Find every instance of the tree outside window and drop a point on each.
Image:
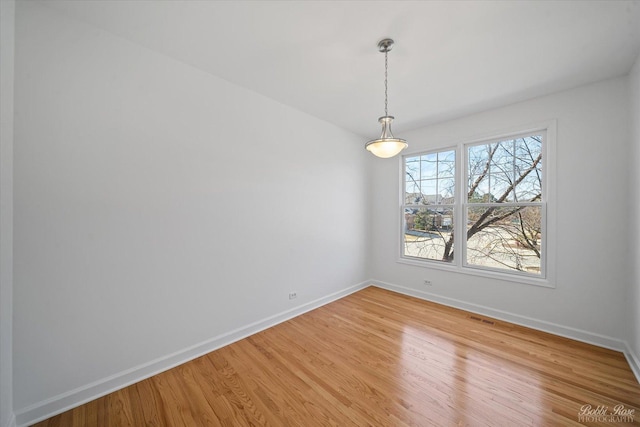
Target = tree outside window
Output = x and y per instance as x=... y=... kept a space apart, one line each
x=502 y=209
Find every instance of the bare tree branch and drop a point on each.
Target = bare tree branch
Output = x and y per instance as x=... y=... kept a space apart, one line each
x=478 y=180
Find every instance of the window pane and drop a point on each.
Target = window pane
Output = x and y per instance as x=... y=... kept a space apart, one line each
x=428 y=233
x=446 y=188
x=429 y=166
x=429 y=192
x=412 y=193
x=505 y=171
x=530 y=188
x=447 y=164
x=506 y=238
x=528 y=165
x=412 y=169
x=479 y=185
x=501 y=189
x=478 y=156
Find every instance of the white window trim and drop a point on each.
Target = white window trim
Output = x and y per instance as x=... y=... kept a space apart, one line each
x=549 y=189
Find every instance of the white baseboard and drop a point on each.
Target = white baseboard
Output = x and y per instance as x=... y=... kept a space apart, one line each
x=541 y=325
x=11 y=422
x=633 y=359
x=65 y=401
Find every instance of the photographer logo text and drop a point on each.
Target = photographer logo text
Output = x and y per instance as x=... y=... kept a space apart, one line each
x=602 y=413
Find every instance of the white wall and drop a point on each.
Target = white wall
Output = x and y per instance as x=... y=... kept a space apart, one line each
x=158 y=207
x=7 y=21
x=633 y=320
x=141 y=233
x=592 y=264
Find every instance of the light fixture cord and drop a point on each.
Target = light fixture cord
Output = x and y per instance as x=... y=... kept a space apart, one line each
x=386 y=67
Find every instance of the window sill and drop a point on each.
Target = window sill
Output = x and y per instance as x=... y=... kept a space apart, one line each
x=452 y=268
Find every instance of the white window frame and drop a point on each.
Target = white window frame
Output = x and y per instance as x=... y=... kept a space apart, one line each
x=547 y=278
x=455 y=205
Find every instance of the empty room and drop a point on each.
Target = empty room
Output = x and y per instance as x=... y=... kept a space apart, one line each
x=319 y=213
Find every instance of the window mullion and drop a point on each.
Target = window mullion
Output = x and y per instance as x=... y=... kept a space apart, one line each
x=462 y=188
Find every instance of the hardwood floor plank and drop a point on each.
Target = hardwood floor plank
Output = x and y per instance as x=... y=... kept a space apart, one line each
x=382 y=359
x=146 y=404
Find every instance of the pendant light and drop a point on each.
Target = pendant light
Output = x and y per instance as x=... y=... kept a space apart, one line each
x=387 y=145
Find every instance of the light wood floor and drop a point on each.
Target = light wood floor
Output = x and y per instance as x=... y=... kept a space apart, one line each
x=381 y=359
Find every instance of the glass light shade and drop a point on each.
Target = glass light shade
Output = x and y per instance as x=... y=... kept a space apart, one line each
x=387 y=145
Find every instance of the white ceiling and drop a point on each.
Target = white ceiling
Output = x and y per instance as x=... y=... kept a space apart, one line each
x=450 y=59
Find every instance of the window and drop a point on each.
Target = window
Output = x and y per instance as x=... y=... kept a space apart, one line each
x=429 y=202
x=493 y=190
